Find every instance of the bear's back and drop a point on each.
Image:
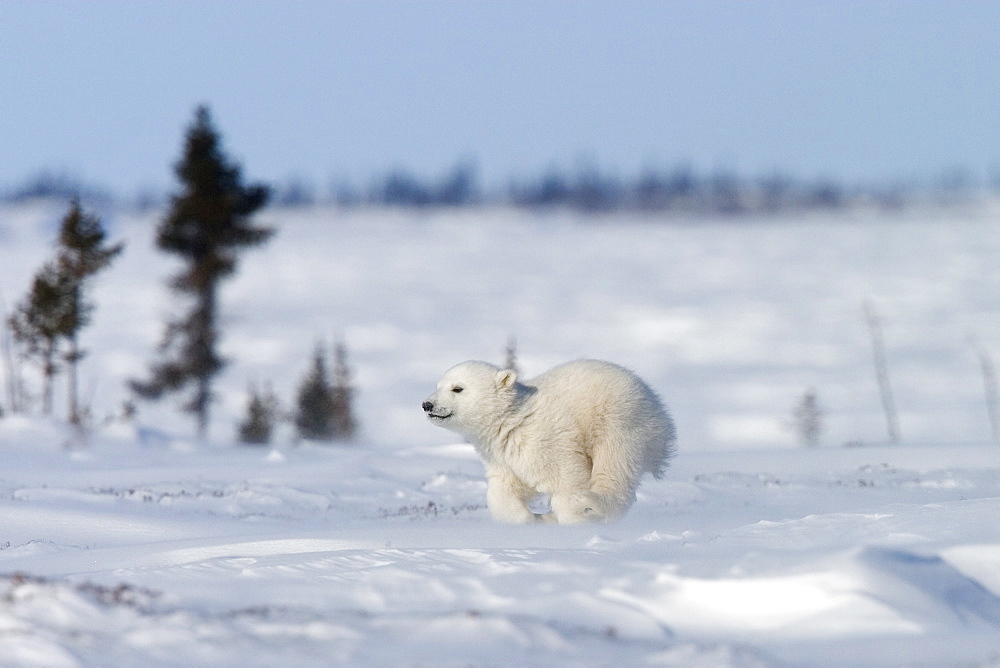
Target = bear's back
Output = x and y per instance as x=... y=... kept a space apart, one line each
x=593 y=396
x=587 y=377
x=589 y=389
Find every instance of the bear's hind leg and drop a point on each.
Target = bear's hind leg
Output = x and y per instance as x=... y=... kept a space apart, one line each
x=587 y=506
x=615 y=476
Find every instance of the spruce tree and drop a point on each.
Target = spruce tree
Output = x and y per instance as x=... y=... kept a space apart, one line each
x=82 y=254
x=37 y=324
x=208 y=223
x=262 y=413
x=56 y=308
x=314 y=407
x=345 y=425
x=13 y=382
x=808 y=419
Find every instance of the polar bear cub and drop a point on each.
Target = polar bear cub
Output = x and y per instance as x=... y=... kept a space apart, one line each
x=583 y=433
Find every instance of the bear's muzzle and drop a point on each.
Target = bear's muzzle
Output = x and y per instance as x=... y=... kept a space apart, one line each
x=428 y=407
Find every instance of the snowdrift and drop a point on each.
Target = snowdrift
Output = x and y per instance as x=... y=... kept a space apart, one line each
x=333 y=556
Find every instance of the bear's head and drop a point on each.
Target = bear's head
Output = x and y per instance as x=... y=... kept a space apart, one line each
x=471 y=397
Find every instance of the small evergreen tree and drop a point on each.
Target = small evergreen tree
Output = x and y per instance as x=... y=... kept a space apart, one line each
x=345 y=425
x=56 y=308
x=37 y=324
x=324 y=409
x=314 y=417
x=82 y=254
x=209 y=222
x=262 y=413
x=808 y=419
x=13 y=382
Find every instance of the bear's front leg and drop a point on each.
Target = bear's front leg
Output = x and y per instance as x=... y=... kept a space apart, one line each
x=507 y=497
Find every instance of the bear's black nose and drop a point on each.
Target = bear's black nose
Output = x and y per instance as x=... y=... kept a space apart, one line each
x=428 y=406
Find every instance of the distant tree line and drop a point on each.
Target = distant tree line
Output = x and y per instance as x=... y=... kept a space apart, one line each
x=57 y=186
x=586 y=188
x=590 y=190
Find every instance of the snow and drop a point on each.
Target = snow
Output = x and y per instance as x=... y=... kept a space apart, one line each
x=377 y=556
x=143 y=548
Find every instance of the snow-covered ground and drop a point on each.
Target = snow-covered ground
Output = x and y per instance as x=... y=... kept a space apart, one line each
x=125 y=556
x=143 y=549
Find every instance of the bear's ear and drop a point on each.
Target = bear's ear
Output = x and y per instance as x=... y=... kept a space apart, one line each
x=506 y=378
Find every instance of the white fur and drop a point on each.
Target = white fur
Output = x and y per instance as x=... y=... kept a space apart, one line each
x=583 y=433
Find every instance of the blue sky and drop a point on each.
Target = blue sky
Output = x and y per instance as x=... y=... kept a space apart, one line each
x=322 y=90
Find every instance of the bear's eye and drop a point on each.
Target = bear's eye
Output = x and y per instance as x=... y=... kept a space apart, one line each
x=457 y=389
